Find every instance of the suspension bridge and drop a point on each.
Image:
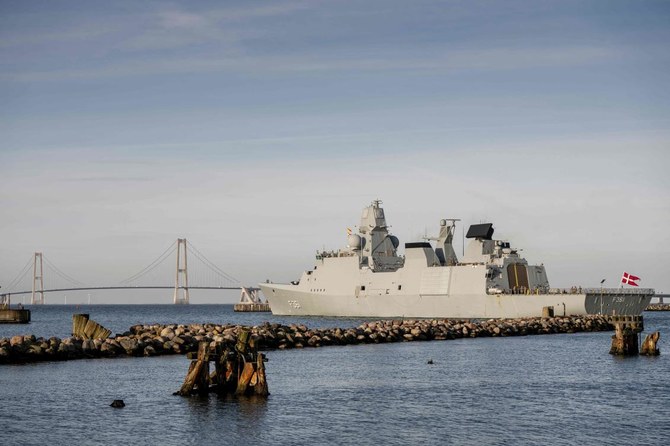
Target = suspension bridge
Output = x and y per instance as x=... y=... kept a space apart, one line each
x=203 y=275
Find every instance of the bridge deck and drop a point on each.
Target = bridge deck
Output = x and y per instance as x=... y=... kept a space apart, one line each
x=157 y=287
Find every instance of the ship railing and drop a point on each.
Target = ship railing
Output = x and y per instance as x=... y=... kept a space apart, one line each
x=329 y=254
x=620 y=291
x=615 y=291
x=575 y=290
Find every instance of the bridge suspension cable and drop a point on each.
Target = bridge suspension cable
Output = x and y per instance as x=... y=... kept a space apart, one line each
x=200 y=256
x=61 y=274
x=20 y=276
x=206 y=273
x=147 y=269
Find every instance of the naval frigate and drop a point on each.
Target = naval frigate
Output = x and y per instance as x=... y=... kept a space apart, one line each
x=369 y=278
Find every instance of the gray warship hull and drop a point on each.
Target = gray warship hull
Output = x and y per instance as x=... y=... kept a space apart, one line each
x=369 y=278
x=286 y=300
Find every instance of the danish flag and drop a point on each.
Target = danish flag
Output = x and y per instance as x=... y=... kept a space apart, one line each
x=629 y=279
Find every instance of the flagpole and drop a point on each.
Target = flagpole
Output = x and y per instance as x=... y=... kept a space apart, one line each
x=621 y=282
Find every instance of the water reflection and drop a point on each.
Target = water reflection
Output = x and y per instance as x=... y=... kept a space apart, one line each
x=239 y=417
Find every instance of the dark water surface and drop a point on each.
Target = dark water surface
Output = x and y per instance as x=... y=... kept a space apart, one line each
x=56 y=320
x=551 y=389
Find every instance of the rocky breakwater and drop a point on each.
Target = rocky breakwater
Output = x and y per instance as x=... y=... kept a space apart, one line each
x=147 y=340
x=153 y=340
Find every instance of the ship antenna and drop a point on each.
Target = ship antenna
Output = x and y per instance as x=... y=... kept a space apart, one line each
x=463 y=240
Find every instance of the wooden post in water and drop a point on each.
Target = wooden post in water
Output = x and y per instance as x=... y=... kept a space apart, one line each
x=625 y=338
x=79 y=323
x=240 y=371
x=624 y=342
x=261 y=385
x=649 y=345
x=198 y=373
x=85 y=328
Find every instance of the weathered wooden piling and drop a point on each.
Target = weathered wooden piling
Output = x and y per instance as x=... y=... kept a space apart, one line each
x=649 y=345
x=240 y=371
x=78 y=323
x=626 y=333
x=624 y=342
x=251 y=307
x=85 y=328
x=197 y=378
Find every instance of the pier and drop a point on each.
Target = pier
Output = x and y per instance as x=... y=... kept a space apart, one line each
x=14 y=316
x=9 y=315
x=661 y=305
x=243 y=307
x=251 y=301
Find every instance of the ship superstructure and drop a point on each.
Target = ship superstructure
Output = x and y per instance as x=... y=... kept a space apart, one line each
x=370 y=278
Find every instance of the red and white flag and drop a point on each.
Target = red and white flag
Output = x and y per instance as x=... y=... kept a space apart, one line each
x=629 y=279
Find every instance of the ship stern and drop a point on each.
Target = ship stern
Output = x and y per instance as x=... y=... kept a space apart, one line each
x=616 y=301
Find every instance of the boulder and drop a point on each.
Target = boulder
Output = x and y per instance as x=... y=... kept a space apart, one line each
x=88 y=346
x=149 y=351
x=167 y=333
x=16 y=341
x=130 y=345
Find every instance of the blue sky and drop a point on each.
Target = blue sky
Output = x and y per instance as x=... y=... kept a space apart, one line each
x=260 y=129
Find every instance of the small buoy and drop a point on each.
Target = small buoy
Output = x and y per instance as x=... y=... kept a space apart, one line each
x=118 y=403
x=430 y=361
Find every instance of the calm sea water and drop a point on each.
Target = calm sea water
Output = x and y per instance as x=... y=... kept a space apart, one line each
x=553 y=389
x=56 y=320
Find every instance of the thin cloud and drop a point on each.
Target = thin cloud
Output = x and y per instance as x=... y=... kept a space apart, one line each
x=108 y=179
x=81 y=33
x=174 y=29
x=154 y=29
x=271 y=10
x=444 y=61
x=181 y=20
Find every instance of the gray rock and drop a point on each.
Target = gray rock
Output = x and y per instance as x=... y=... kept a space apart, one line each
x=149 y=351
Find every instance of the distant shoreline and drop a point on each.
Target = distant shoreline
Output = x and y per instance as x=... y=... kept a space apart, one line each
x=658 y=307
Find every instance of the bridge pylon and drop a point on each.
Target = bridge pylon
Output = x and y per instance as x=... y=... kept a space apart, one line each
x=38 y=280
x=181 y=274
